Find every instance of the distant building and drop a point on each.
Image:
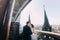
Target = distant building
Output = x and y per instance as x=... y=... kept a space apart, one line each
x=29 y=19
x=46 y=27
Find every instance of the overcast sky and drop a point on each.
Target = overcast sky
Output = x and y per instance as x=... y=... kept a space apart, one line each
x=35 y=8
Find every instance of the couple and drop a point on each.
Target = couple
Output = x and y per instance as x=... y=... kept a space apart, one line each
x=28 y=32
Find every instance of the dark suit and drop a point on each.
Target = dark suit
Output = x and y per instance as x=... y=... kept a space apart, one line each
x=27 y=33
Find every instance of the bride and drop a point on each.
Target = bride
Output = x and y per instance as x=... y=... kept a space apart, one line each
x=34 y=34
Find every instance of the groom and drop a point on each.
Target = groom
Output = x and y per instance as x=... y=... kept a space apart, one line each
x=27 y=31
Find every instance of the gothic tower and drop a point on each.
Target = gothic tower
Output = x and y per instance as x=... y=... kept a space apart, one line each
x=46 y=27
x=29 y=19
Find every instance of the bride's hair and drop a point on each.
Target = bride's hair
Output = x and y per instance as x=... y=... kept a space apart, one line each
x=32 y=25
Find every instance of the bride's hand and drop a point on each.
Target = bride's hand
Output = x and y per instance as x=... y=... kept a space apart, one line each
x=36 y=32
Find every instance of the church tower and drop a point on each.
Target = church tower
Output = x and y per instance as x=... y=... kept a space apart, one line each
x=29 y=19
x=46 y=27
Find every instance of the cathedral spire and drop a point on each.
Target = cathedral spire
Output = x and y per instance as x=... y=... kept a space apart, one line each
x=46 y=22
x=46 y=27
x=29 y=19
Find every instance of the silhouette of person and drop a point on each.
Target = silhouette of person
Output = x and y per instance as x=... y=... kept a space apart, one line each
x=27 y=31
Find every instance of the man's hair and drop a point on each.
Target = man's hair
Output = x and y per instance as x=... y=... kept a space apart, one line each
x=27 y=22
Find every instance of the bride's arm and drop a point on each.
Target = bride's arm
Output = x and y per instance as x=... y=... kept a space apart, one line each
x=36 y=32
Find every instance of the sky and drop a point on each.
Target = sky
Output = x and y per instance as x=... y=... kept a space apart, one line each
x=36 y=11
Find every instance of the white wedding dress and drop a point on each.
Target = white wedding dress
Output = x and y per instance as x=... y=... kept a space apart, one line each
x=34 y=36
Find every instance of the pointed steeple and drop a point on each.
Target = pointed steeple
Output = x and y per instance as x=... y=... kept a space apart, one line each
x=46 y=22
x=29 y=19
x=46 y=26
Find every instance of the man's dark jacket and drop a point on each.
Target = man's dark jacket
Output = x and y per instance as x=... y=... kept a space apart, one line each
x=27 y=33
